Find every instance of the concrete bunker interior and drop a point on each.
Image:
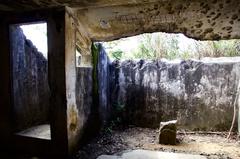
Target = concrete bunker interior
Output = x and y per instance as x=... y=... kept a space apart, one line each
x=74 y=26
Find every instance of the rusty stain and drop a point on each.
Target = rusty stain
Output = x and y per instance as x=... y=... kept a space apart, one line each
x=73 y=119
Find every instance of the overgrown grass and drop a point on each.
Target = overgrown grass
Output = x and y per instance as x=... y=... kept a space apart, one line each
x=170 y=46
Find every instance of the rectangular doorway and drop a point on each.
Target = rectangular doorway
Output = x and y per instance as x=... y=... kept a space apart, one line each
x=30 y=89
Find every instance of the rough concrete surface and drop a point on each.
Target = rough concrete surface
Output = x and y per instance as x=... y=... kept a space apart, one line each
x=199 y=94
x=103 y=84
x=108 y=20
x=198 y=19
x=146 y=154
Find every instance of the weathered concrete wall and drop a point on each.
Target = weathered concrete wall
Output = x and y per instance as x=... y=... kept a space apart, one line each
x=74 y=121
x=99 y=111
x=238 y=115
x=199 y=94
x=103 y=84
x=30 y=82
x=84 y=95
x=78 y=80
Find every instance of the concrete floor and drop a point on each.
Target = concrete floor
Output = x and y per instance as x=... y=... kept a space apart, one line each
x=146 y=154
x=40 y=131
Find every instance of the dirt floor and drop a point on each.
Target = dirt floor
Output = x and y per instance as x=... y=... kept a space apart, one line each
x=211 y=145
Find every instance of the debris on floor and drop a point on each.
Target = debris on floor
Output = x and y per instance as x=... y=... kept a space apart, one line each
x=210 y=145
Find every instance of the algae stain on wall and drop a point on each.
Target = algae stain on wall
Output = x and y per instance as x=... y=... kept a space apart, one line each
x=200 y=95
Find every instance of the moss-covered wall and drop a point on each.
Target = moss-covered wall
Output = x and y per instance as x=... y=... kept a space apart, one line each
x=99 y=111
x=95 y=54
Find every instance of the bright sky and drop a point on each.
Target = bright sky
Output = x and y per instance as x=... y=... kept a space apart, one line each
x=184 y=42
x=130 y=43
x=37 y=33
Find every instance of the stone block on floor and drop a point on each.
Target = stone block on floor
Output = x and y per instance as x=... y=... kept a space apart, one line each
x=168 y=132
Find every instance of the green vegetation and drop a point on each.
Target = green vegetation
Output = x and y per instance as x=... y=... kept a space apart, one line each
x=117 y=118
x=170 y=46
x=117 y=54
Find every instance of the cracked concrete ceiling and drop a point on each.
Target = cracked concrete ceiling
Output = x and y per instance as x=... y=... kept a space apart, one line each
x=36 y=4
x=105 y=20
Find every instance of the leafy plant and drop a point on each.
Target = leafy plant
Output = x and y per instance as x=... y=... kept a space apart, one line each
x=117 y=117
x=117 y=55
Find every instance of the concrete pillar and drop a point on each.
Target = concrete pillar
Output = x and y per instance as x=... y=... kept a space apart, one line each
x=74 y=37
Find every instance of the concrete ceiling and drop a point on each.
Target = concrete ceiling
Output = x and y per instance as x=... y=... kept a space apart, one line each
x=199 y=19
x=36 y=4
x=105 y=20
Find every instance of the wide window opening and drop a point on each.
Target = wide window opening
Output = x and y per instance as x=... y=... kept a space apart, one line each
x=169 y=46
x=30 y=89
